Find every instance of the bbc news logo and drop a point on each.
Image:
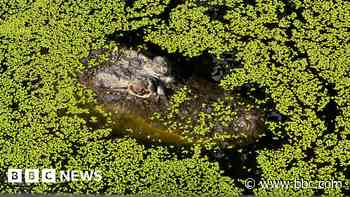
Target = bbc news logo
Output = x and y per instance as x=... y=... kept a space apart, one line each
x=50 y=176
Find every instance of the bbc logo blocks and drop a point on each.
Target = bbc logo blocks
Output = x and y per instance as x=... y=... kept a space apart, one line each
x=14 y=175
x=31 y=175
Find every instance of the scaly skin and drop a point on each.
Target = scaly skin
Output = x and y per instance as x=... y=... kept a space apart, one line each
x=130 y=71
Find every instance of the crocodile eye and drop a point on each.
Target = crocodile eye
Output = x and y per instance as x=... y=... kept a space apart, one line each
x=139 y=89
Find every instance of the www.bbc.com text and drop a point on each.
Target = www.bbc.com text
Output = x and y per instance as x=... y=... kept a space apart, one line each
x=296 y=184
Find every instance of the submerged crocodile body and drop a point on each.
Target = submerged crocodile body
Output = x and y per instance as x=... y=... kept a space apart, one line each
x=134 y=87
